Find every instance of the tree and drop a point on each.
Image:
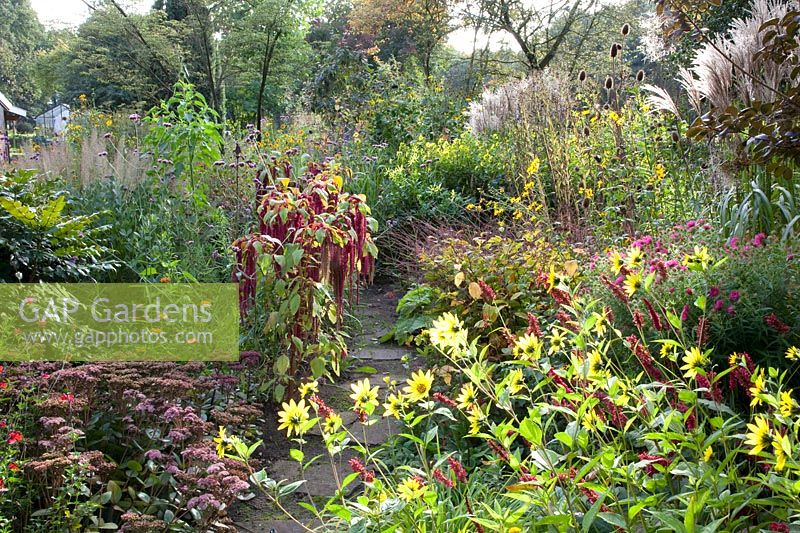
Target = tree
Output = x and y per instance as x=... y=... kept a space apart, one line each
x=413 y=27
x=266 y=34
x=539 y=29
x=21 y=35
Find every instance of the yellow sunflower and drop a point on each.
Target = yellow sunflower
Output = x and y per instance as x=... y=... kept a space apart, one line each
x=695 y=360
x=466 y=396
x=759 y=384
x=447 y=332
x=759 y=436
x=410 y=489
x=419 y=385
x=633 y=283
x=364 y=395
x=394 y=405
x=528 y=348
x=293 y=417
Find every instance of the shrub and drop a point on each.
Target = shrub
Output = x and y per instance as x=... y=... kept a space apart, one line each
x=40 y=241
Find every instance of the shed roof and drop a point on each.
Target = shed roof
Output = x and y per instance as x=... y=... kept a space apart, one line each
x=6 y=104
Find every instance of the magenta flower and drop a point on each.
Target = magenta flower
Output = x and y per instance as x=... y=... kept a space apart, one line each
x=734 y=296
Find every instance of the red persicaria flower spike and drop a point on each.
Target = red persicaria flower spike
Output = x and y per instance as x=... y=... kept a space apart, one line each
x=486 y=291
x=533 y=326
x=510 y=338
x=655 y=318
x=618 y=291
x=638 y=319
x=776 y=324
x=322 y=408
x=558 y=380
x=561 y=297
x=439 y=476
x=499 y=450
x=458 y=469
x=441 y=398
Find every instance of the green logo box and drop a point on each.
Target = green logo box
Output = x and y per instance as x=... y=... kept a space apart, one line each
x=119 y=322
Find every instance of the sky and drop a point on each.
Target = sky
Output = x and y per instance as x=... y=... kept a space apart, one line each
x=65 y=13
x=59 y=14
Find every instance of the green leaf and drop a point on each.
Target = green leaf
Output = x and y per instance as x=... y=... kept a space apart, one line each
x=297 y=455
x=281 y=365
x=588 y=518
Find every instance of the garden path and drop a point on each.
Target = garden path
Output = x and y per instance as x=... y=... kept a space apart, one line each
x=370 y=358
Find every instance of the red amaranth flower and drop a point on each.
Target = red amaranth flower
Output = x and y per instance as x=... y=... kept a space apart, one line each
x=654 y=460
x=645 y=359
x=561 y=297
x=558 y=380
x=322 y=408
x=655 y=318
x=592 y=496
x=487 y=292
x=527 y=478
x=702 y=331
x=458 y=469
x=618 y=418
x=441 y=398
x=499 y=450
x=775 y=323
x=533 y=326
x=439 y=476
x=779 y=526
x=615 y=289
x=638 y=319
x=368 y=476
x=713 y=391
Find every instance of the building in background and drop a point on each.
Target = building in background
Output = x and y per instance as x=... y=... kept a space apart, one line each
x=9 y=114
x=54 y=120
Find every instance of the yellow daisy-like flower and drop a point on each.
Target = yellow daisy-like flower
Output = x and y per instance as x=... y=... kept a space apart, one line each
x=364 y=395
x=786 y=403
x=707 y=454
x=515 y=381
x=307 y=388
x=474 y=418
x=591 y=422
x=793 y=353
x=782 y=449
x=558 y=340
x=700 y=258
x=694 y=359
x=419 y=385
x=733 y=359
x=293 y=417
x=528 y=348
x=616 y=262
x=332 y=424
x=759 y=384
x=394 y=405
x=447 y=332
x=668 y=351
x=759 y=436
x=410 y=489
x=595 y=361
x=635 y=257
x=633 y=283
x=222 y=442
x=600 y=324
x=466 y=396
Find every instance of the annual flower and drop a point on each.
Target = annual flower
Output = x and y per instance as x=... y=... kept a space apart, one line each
x=635 y=258
x=786 y=403
x=793 y=353
x=14 y=437
x=309 y=387
x=515 y=381
x=782 y=449
x=222 y=441
x=447 y=332
x=759 y=436
x=528 y=348
x=466 y=396
x=474 y=418
x=410 y=489
x=332 y=424
x=394 y=405
x=293 y=417
x=707 y=454
x=694 y=360
x=419 y=385
x=558 y=340
x=616 y=262
x=364 y=395
x=633 y=283
x=759 y=384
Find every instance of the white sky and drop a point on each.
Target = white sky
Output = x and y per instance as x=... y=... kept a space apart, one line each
x=65 y=13
x=60 y=14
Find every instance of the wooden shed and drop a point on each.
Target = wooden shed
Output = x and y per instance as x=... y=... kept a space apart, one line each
x=9 y=114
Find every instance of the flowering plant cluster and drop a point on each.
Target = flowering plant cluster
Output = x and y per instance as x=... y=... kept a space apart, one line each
x=572 y=423
x=118 y=445
x=313 y=243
